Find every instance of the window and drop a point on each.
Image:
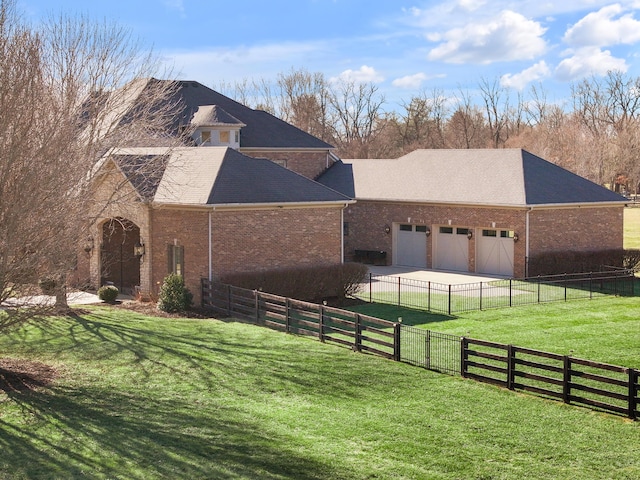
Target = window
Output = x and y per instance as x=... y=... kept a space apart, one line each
x=224 y=137
x=175 y=257
x=421 y=228
x=282 y=163
x=446 y=230
x=462 y=231
x=489 y=233
x=205 y=137
x=406 y=228
x=506 y=234
x=237 y=136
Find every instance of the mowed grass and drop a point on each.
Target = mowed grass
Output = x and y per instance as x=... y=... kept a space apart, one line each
x=140 y=397
x=605 y=329
x=632 y=227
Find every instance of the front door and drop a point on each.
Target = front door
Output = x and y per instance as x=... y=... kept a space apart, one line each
x=119 y=265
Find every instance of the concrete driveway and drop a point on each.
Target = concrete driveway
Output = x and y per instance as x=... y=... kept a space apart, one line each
x=437 y=276
x=74 y=298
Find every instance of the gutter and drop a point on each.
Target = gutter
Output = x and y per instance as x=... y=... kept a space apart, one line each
x=268 y=206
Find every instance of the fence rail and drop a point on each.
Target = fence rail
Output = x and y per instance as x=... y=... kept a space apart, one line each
x=571 y=380
x=360 y=332
x=499 y=293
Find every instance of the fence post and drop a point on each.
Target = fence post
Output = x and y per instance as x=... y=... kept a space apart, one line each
x=565 y=287
x=510 y=292
x=429 y=297
x=287 y=320
x=428 y=350
x=370 y=287
x=257 y=306
x=633 y=392
x=321 y=324
x=399 y=278
x=464 y=344
x=449 y=307
x=538 y=288
x=566 y=379
x=228 y=300
x=358 y=340
x=396 y=341
x=480 y=295
x=590 y=285
x=511 y=366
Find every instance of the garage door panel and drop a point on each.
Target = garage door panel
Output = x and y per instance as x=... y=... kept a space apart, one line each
x=452 y=249
x=495 y=252
x=411 y=246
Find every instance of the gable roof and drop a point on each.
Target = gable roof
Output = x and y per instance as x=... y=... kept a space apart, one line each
x=496 y=177
x=261 y=130
x=219 y=176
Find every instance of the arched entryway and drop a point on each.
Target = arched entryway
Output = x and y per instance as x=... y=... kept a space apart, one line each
x=118 y=262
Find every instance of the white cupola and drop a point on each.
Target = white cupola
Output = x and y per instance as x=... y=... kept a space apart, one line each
x=213 y=127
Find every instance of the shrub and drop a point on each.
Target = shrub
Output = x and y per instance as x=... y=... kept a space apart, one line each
x=108 y=293
x=48 y=286
x=310 y=284
x=550 y=263
x=174 y=295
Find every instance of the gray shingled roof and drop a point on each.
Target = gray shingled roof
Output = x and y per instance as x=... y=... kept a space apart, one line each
x=213 y=115
x=217 y=176
x=262 y=129
x=502 y=177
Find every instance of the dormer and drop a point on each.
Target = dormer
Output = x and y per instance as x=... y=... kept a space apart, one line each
x=213 y=127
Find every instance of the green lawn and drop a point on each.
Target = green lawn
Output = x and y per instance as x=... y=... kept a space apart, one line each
x=632 y=227
x=604 y=329
x=140 y=397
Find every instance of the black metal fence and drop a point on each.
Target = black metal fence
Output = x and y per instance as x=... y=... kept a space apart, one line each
x=499 y=293
x=606 y=387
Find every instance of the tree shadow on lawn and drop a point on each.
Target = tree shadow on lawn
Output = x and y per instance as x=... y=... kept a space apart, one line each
x=410 y=316
x=82 y=432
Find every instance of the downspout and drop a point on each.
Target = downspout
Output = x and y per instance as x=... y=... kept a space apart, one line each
x=210 y=247
x=342 y=232
x=526 y=254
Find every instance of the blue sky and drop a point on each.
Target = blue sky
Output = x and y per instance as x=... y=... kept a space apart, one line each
x=404 y=47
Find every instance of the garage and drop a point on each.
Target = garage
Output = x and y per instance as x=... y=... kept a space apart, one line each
x=452 y=249
x=411 y=246
x=495 y=252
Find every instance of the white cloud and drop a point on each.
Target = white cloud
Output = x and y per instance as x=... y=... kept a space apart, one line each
x=175 y=5
x=413 y=81
x=588 y=61
x=508 y=37
x=607 y=26
x=520 y=80
x=363 y=75
x=471 y=5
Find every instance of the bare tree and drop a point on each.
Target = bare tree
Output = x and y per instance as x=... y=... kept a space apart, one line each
x=356 y=109
x=74 y=89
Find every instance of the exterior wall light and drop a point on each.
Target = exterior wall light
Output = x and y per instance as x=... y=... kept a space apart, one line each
x=387 y=229
x=515 y=237
x=138 y=249
x=428 y=231
x=470 y=234
x=88 y=244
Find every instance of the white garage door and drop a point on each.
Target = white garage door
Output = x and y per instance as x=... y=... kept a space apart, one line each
x=495 y=252
x=411 y=246
x=452 y=249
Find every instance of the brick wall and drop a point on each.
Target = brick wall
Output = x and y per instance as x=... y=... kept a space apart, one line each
x=579 y=229
x=576 y=229
x=245 y=240
x=309 y=164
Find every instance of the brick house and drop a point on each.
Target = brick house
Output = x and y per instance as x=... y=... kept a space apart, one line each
x=485 y=211
x=237 y=196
